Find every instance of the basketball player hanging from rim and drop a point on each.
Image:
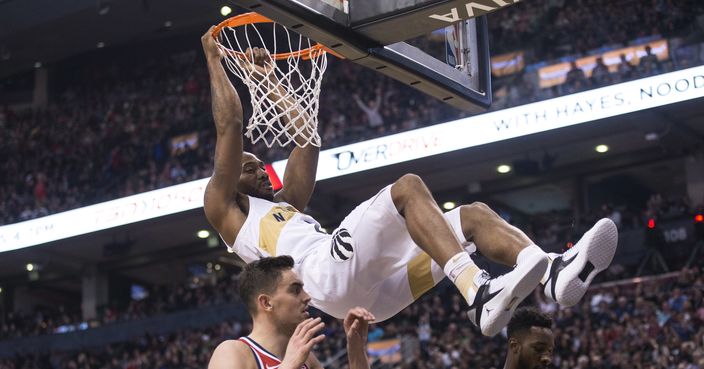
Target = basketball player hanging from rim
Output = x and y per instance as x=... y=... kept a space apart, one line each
x=393 y=247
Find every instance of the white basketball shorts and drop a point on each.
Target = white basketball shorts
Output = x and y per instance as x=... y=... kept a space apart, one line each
x=372 y=262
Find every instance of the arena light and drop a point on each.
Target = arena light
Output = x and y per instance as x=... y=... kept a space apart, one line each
x=449 y=205
x=203 y=234
x=37 y=65
x=5 y=53
x=699 y=226
x=651 y=223
x=225 y=11
x=104 y=6
x=652 y=136
x=503 y=168
x=100 y=45
x=217 y=267
x=29 y=267
x=601 y=149
x=0 y=289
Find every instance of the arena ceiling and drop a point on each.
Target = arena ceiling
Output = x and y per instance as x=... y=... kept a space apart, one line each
x=47 y=31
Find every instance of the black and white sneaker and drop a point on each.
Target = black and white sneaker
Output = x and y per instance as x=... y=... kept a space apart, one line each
x=497 y=298
x=571 y=273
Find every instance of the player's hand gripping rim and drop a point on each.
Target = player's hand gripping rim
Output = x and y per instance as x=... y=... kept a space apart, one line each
x=210 y=47
x=259 y=64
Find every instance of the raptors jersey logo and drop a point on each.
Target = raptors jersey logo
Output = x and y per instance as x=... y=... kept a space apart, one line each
x=342 y=248
x=264 y=358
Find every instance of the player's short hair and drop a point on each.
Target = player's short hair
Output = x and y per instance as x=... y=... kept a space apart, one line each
x=262 y=276
x=526 y=317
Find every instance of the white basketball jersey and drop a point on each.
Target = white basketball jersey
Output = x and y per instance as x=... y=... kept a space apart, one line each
x=273 y=229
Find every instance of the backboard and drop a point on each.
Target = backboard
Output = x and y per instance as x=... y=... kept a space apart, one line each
x=373 y=33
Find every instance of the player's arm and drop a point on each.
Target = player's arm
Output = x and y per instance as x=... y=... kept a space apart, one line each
x=313 y=362
x=299 y=178
x=299 y=175
x=232 y=354
x=221 y=190
x=356 y=326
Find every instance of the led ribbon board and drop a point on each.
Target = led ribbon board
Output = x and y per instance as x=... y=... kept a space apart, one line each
x=109 y=214
x=483 y=129
x=510 y=123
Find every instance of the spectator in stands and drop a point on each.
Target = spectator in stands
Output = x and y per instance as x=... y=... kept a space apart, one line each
x=575 y=80
x=371 y=109
x=625 y=69
x=600 y=74
x=609 y=211
x=424 y=333
x=626 y=337
x=649 y=63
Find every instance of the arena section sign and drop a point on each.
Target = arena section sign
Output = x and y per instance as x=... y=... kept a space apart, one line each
x=438 y=139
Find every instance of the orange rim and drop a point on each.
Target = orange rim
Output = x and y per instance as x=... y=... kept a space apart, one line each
x=254 y=18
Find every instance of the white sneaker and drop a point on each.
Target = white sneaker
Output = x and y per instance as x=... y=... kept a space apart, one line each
x=572 y=272
x=497 y=298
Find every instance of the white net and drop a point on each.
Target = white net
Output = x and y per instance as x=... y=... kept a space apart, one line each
x=284 y=91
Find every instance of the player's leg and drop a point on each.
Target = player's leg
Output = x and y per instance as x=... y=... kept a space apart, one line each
x=495 y=238
x=491 y=301
x=424 y=219
x=567 y=276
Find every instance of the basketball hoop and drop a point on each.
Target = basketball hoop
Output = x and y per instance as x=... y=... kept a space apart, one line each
x=285 y=94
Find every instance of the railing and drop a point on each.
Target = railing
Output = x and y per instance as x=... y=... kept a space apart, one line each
x=125 y=331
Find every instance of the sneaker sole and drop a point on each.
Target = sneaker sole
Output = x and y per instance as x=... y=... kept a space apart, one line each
x=511 y=296
x=572 y=283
